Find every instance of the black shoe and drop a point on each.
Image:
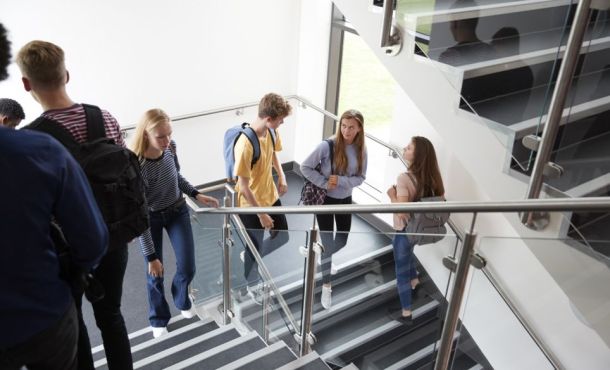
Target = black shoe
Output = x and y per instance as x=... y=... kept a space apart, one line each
x=397 y=316
x=406 y=320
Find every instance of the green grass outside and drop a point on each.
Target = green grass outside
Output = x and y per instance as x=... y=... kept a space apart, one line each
x=366 y=85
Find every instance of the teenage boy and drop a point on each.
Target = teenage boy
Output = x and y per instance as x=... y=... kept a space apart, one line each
x=11 y=113
x=45 y=78
x=256 y=188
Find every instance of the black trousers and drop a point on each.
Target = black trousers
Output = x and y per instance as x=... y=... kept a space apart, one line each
x=108 y=317
x=279 y=236
x=333 y=242
x=52 y=349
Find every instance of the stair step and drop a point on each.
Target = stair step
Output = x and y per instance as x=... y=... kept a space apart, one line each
x=271 y=357
x=143 y=335
x=209 y=341
x=310 y=361
x=373 y=328
x=222 y=354
x=169 y=340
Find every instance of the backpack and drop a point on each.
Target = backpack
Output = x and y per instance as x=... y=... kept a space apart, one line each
x=230 y=139
x=427 y=228
x=113 y=173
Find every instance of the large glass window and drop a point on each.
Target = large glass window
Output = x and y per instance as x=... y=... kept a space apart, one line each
x=366 y=85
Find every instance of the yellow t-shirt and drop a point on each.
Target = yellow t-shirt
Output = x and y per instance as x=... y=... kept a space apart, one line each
x=261 y=175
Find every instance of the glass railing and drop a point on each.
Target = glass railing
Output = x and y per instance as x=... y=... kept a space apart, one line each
x=561 y=296
x=500 y=57
x=360 y=322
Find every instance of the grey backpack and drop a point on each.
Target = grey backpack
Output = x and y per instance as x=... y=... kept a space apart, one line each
x=427 y=228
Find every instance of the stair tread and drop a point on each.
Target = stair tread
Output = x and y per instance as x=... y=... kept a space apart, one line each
x=271 y=357
x=195 y=346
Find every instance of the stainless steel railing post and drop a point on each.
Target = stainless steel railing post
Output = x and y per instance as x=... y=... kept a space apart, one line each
x=266 y=303
x=308 y=290
x=560 y=93
x=455 y=302
x=226 y=264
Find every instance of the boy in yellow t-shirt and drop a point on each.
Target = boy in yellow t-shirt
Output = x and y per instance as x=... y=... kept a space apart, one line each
x=256 y=188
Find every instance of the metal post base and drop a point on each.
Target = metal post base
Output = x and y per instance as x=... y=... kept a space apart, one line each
x=536 y=220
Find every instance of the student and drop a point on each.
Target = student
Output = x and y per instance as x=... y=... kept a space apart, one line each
x=164 y=188
x=37 y=314
x=256 y=188
x=45 y=78
x=11 y=113
x=350 y=163
x=422 y=180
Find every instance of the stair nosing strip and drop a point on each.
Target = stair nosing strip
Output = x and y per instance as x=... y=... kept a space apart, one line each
x=284 y=289
x=157 y=356
x=161 y=339
x=213 y=351
x=323 y=315
x=301 y=361
x=414 y=357
x=254 y=356
x=138 y=333
x=376 y=332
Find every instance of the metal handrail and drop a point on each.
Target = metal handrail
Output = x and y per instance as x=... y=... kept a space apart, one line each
x=395 y=152
x=262 y=268
x=564 y=204
x=239 y=226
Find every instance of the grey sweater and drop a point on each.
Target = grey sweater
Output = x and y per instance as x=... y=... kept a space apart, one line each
x=345 y=184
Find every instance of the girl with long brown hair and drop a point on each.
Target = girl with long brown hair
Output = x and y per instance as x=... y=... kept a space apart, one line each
x=423 y=179
x=349 y=159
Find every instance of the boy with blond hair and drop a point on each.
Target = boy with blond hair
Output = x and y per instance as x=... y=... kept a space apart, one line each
x=45 y=77
x=256 y=188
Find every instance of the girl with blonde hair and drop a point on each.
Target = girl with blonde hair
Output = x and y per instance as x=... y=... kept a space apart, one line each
x=164 y=185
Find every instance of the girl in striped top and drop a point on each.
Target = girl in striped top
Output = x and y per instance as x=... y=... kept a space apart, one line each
x=167 y=208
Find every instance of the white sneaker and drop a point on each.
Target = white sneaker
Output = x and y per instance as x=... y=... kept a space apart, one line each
x=159 y=331
x=326 y=297
x=189 y=314
x=242 y=256
x=333 y=269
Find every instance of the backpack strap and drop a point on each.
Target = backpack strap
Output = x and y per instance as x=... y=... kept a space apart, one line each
x=53 y=128
x=331 y=146
x=414 y=181
x=253 y=138
x=95 y=122
x=172 y=148
x=273 y=137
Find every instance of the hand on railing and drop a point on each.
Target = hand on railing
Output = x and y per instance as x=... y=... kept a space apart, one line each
x=208 y=201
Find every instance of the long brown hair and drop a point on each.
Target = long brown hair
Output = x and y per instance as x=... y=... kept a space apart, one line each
x=425 y=169
x=339 y=156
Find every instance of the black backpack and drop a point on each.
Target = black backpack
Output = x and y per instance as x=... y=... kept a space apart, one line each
x=113 y=173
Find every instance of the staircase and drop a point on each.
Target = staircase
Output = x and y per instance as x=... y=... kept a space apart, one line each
x=202 y=344
x=482 y=96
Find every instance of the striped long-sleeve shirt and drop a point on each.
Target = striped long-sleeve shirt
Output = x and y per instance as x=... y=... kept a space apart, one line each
x=164 y=186
x=74 y=120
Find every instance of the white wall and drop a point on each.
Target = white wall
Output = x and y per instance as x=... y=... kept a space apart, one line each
x=185 y=57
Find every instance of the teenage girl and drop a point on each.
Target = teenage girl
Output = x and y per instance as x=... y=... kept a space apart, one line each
x=167 y=208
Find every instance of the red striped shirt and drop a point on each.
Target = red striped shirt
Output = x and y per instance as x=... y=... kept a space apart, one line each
x=74 y=120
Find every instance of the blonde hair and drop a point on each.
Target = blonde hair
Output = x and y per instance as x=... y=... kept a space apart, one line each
x=148 y=122
x=43 y=64
x=339 y=156
x=273 y=106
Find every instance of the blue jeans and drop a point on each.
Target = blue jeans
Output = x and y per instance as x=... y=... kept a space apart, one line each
x=404 y=261
x=178 y=226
